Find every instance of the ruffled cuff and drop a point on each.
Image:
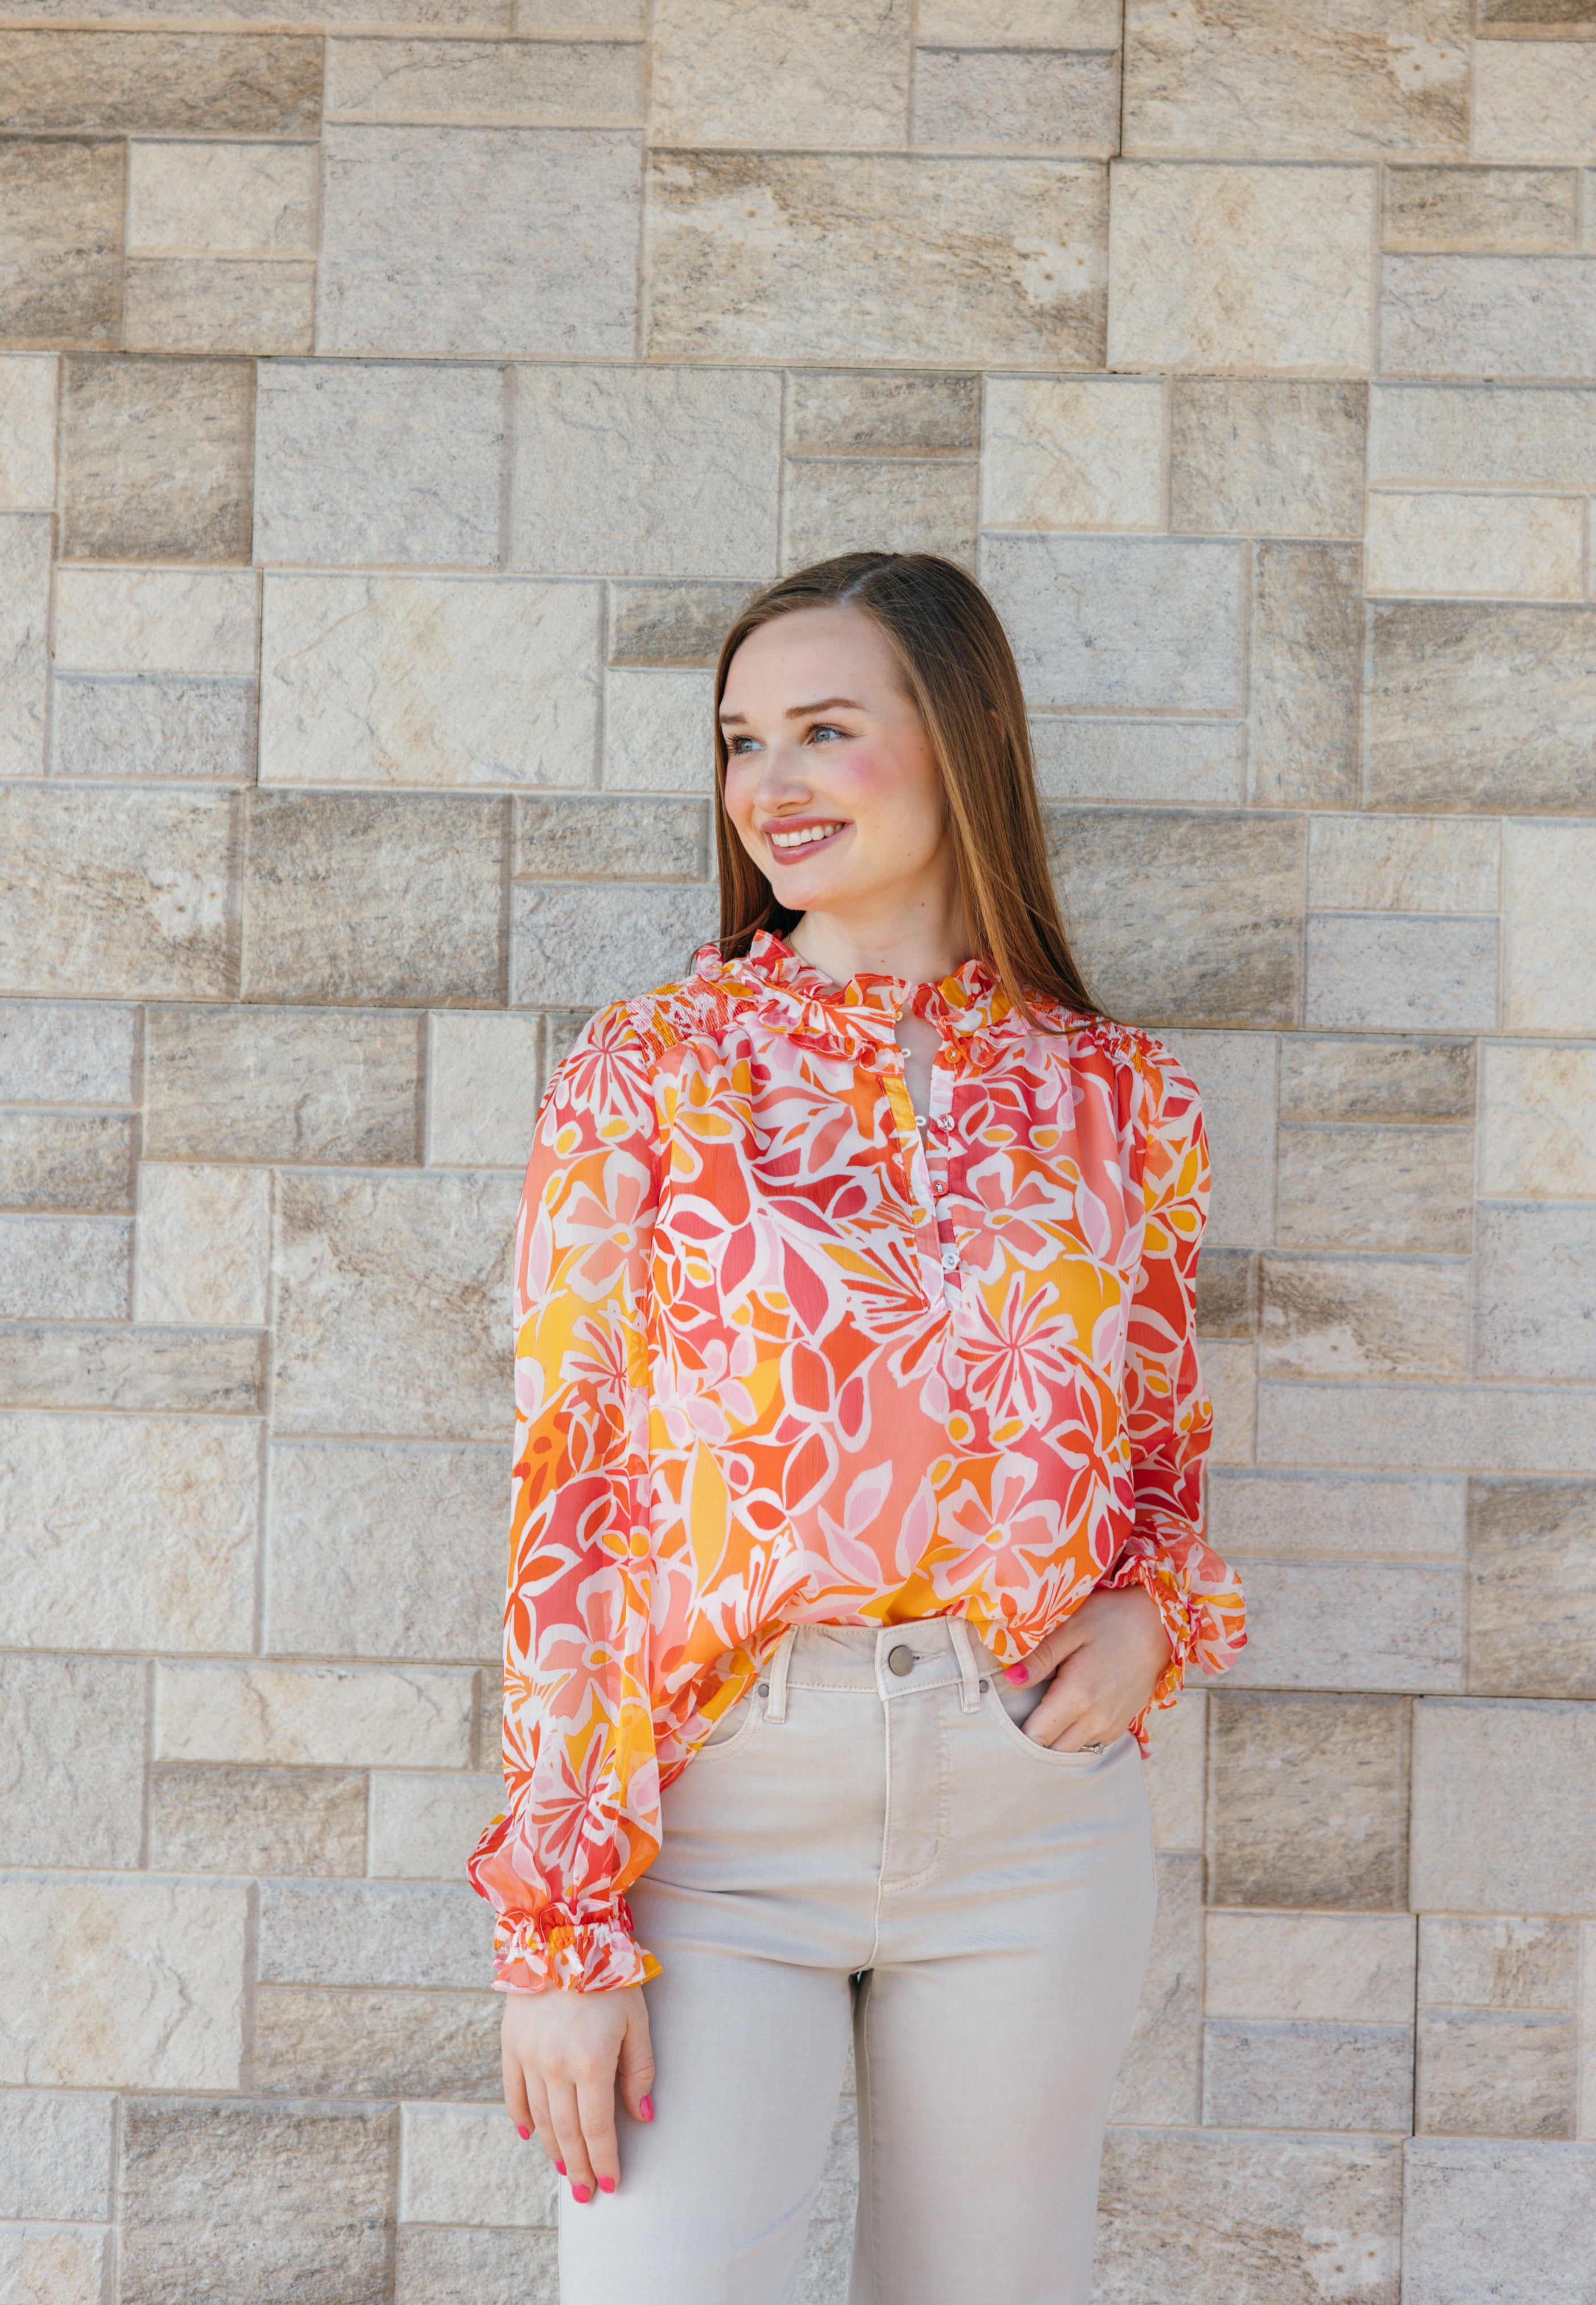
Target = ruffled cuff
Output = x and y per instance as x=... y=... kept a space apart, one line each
x=534 y=1952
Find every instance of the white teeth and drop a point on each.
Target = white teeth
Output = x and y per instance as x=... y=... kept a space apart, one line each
x=801 y=839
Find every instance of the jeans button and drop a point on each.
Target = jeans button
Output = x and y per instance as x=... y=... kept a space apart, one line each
x=900 y=1661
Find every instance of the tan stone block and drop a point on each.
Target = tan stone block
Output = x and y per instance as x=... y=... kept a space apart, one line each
x=658 y=731
x=313 y=1716
x=779 y=72
x=71 y=1758
x=995 y=99
x=1256 y=457
x=580 y=947
x=473 y=2265
x=1234 y=1073
x=1485 y=2218
x=1367 y=970
x=1533 y=1271
x=1489 y=2074
x=464 y=2165
x=221 y=1820
x=1175 y=1770
x=60 y=1364
x=409 y=1933
x=1306 y=655
x=1403 y=864
x=1539 y=1118
x=479 y=240
x=1351 y=1626
x=1308 y=1801
x=608 y=840
x=1323 y=2077
x=340 y=2041
x=258 y=84
x=204 y=1245
x=55 y=2151
x=1198 y=762
x=1230 y=1374
x=1406 y=1079
x=849 y=412
x=987 y=262
x=24 y=647
x=1547 y=20
x=428 y=680
x=228 y=2201
x=1498 y=1964
x=156 y=459
x=222 y=198
x=1455 y=545
x=1186 y=956
x=1494 y=1828
x=1350 y=1185
x=27 y=432
x=620 y=16
x=1227 y=1293
x=1121 y=624
x=1483 y=435
x=55 y=2265
x=259 y=1084
x=483 y=1089
x=152 y=1532
x=389 y=898
x=219 y=304
x=1587 y=2080
x=509 y=83
x=148 y=729
x=1021 y=23
x=1063 y=454
x=60 y=208
x=1492 y=210
x=1276 y=274
x=1551 y=908
x=1533 y=100
x=1157 y=2080
x=392 y=1305
x=672 y=625
x=67 y=1161
x=64 y=1269
x=423 y=1828
x=856 y=503
x=1479 y=707
x=353 y=1564
x=1494 y=1428
x=1364 y=1316
x=145 y=620
x=490 y=15
x=1310 y=1967
x=1305 y=1517
x=150 y=1997
x=1487 y=316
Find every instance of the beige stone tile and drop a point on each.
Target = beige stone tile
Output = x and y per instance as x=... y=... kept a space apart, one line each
x=1198 y=762
x=1531 y=1594
x=292 y=2193
x=1533 y=1271
x=409 y=1933
x=1312 y=2077
x=1310 y=1967
x=353 y=1566
x=319 y=2041
x=67 y=1052
x=1265 y=457
x=1486 y=2214
x=1363 y=1316
x=1351 y=1186
x=224 y=1820
x=610 y=840
x=61 y=207
x=658 y=731
x=204 y=1245
x=440 y=680
x=152 y=1522
x=1276 y=274
x=150 y=1997
x=424 y=1263
x=779 y=73
x=1021 y=23
x=1373 y=1079
x=479 y=240
x=511 y=84
x=549 y=16
x=1483 y=435
x=859 y=503
x=59 y=2265
x=145 y=620
x=1189 y=957
x=850 y=412
x=1539 y=1123
x=1587 y=2083
x=1490 y=210
x=513 y=2267
x=1373 y=970
x=258 y=84
x=1227 y=1293
x=1308 y=1801
x=1491 y=2074
x=1487 y=316
x=379 y=899
x=985 y=262
x=381 y=462
x=1063 y=454
x=262 y=1715
x=56 y=2153
x=1402 y=864
x=463 y=2165
x=1494 y=1428
x=1368 y=1626
x=1234 y=1073
x=1455 y=545
x=219 y=304
x=154 y=459
x=606 y=479
x=1493 y=1827
x=1550 y=890
x=423 y=1828
x=1229 y=1373
x=1262 y=83
x=672 y=626
x=1545 y=20
x=1533 y=100
x=150 y=729
x=54 y=1268
x=24 y=627
x=222 y=198
x=1305 y=659
x=1506 y=1963
x=1123 y=623
x=71 y=1757
x=490 y=15
x=984 y=98
x=261 y=1083
x=26 y=432
x=577 y=947
x=1159 y=2076
x=1477 y=707
x=1177 y=1770
x=67 y=1161
x=58 y=1365
x=483 y=1089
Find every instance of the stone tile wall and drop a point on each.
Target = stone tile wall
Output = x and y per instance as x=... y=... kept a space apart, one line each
x=396 y=399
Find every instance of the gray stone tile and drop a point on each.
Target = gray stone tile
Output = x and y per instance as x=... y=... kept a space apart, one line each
x=146 y=729
x=1531 y=1571
x=610 y=840
x=898 y=504
x=284 y=1085
x=328 y=1716
x=71 y=1053
x=162 y=82
x=24 y=646
x=1534 y=1270
x=1403 y=864
x=1357 y=1185
x=1266 y=1515
x=751 y=76
x=204 y=1245
x=484 y=1078
x=1031 y=100
x=27 y=432
x=488 y=14
x=65 y=1268
x=676 y=625
x=60 y=207
x=473 y=240
x=1499 y=1963
x=1211 y=2217
x=1262 y=2076
x=1507 y=316
x=380 y=461
x=56 y=2154
x=225 y=1820
x=222 y=198
x=1197 y=763
x=1308 y=1801
x=596 y=83
x=1487 y=2073
x=1363 y=1316
x=219 y=304
x=863 y=257
x=579 y=947
x=1492 y=1428
x=1026 y=23
x=1158 y=2080
x=1305 y=652
x=1234 y=1073
x=1537 y=1110
x=425 y=1824
x=156 y=458
x=70 y=2262
x=1177 y=1774
x=67 y=1161
x=1483 y=2221
x=1551 y=954
x=1495 y=1828
x=129 y=622
x=374 y=1933
x=1351 y=1625
x=1227 y=1293
x=71 y=1759
x=61 y=1364
x=313 y=2040
x=1310 y=1968
x=470 y=2264
x=353 y=1567
x=241 y=2202
x=1528 y=212
x=1074 y=453
x=1409 y=1079
x=1368 y=972
x=1537 y=438
x=1121 y=622
x=1257 y=457
x=464 y=2165
x=1480 y=706
x=387 y=900
x=1187 y=956
x=658 y=731
x=850 y=412
x=1452 y=545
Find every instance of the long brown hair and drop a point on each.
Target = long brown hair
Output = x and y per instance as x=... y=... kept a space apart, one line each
x=960 y=672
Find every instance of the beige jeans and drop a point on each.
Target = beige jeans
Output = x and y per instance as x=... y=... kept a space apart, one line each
x=870 y=1849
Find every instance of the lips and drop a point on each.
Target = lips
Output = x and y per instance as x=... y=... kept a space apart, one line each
x=789 y=842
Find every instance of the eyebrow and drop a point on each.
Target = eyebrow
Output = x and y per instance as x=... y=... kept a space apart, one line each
x=801 y=711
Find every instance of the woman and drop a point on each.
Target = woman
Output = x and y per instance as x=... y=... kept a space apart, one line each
x=860 y=1457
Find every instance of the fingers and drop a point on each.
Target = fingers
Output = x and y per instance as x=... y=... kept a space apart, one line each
x=1072 y=1713
x=635 y=2071
x=596 y=2109
x=566 y=2113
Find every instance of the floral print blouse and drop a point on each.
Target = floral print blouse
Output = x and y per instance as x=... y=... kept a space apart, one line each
x=780 y=1359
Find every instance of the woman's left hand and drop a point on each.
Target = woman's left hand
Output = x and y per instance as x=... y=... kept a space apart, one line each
x=1105 y=1660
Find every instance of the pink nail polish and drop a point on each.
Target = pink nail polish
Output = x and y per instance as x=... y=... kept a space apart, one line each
x=606 y=2185
x=1018 y=1674
x=645 y=2105
x=581 y=2193
x=523 y=2133
x=561 y=2167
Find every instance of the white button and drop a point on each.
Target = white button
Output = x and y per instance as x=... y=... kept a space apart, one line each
x=950 y=1257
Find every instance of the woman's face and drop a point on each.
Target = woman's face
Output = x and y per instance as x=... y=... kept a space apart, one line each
x=830 y=780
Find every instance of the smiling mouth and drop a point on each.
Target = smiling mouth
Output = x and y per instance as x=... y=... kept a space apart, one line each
x=802 y=839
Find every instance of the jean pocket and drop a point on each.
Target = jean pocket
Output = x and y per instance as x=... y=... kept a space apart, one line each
x=734 y=1724
x=1009 y=1707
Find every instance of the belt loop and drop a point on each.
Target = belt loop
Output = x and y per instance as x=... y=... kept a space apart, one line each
x=958 y=1633
x=776 y=1703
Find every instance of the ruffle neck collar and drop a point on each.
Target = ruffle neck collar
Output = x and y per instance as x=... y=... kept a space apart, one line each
x=792 y=997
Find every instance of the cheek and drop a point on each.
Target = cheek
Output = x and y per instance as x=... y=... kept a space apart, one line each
x=899 y=797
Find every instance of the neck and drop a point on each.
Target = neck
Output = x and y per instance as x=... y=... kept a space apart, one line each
x=922 y=946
